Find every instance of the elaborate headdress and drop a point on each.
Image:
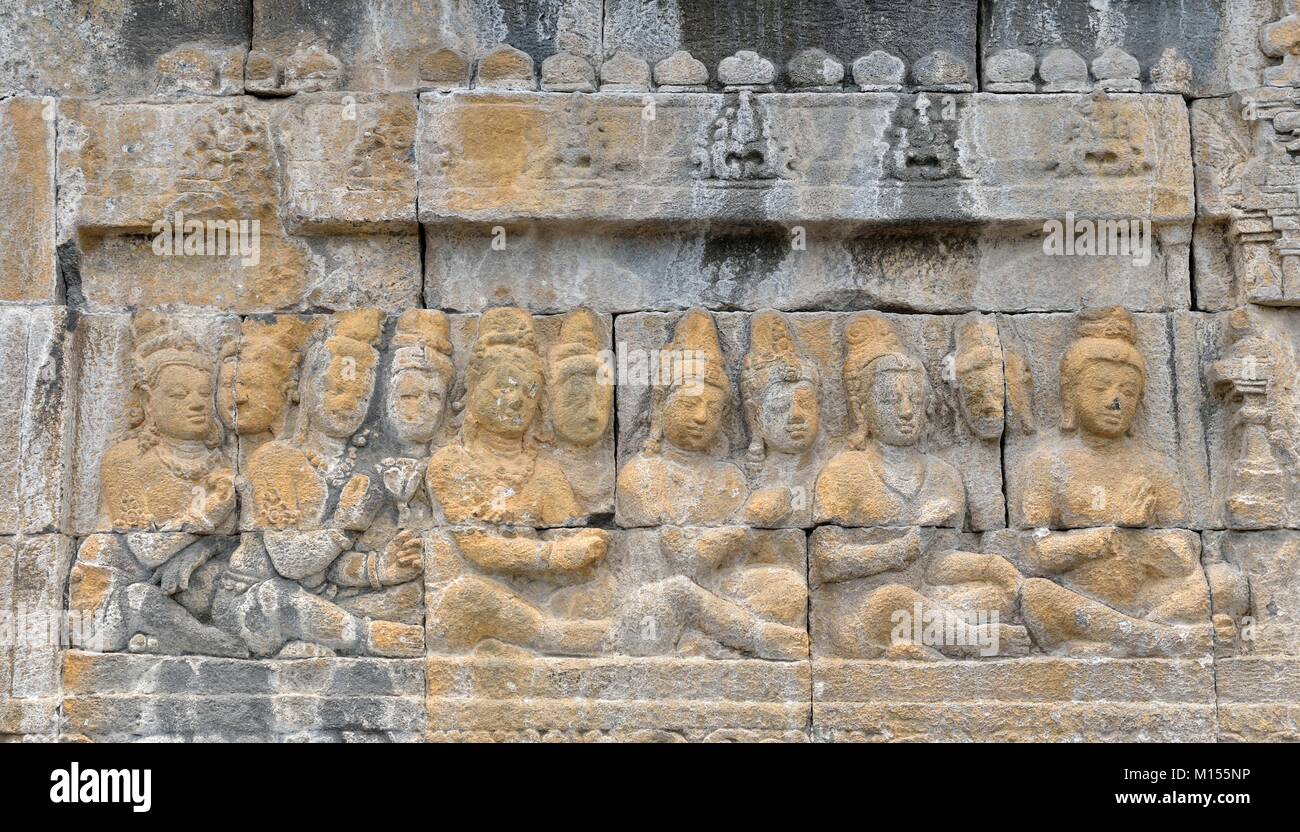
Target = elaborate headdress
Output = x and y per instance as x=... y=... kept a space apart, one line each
x=694 y=346
x=977 y=347
x=276 y=344
x=422 y=342
x=158 y=344
x=578 y=347
x=1107 y=334
x=773 y=357
x=870 y=346
x=505 y=333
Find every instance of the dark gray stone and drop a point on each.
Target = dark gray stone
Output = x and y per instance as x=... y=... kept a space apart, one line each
x=779 y=29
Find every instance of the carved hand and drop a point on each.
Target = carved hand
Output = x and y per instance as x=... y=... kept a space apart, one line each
x=174 y=575
x=1138 y=506
x=584 y=549
x=402 y=559
x=769 y=506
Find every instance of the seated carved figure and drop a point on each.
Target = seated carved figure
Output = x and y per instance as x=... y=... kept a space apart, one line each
x=420 y=380
x=302 y=583
x=717 y=604
x=1110 y=592
x=169 y=474
x=885 y=479
x=292 y=482
x=865 y=583
x=782 y=411
x=677 y=478
x=494 y=473
x=1099 y=475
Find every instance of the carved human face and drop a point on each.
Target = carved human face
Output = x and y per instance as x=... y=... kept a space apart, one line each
x=581 y=405
x=348 y=383
x=504 y=400
x=692 y=416
x=250 y=397
x=981 y=396
x=1105 y=398
x=416 y=404
x=895 y=408
x=790 y=416
x=180 y=402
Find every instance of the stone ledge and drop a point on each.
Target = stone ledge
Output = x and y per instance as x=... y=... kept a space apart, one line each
x=802 y=157
x=477 y=694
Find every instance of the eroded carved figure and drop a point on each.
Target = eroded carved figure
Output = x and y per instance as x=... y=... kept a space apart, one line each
x=680 y=476
x=308 y=582
x=885 y=478
x=1098 y=589
x=781 y=394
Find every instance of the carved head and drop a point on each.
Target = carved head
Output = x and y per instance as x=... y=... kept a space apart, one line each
x=504 y=378
x=688 y=411
x=421 y=375
x=173 y=383
x=888 y=389
x=779 y=387
x=339 y=378
x=1103 y=375
x=979 y=379
x=581 y=397
x=258 y=374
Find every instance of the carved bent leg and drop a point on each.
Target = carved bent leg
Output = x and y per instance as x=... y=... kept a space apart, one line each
x=879 y=617
x=675 y=603
x=473 y=609
x=276 y=612
x=1067 y=623
x=401 y=602
x=160 y=625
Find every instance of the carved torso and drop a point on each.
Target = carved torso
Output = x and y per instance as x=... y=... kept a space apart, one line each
x=855 y=489
x=524 y=490
x=1122 y=484
x=150 y=486
x=694 y=490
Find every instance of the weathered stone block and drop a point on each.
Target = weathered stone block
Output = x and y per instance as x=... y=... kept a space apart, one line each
x=28 y=271
x=201 y=203
x=382 y=46
x=35 y=428
x=1014 y=700
x=801 y=158
x=1219 y=38
x=114 y=698
x=129 y=49
x=33 y=574
x=933 y=269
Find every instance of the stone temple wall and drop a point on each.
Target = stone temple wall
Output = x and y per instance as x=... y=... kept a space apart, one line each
x=591 y=370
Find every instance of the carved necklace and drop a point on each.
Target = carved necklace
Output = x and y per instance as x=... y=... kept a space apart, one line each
x=187 y=461
x=510 y=466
